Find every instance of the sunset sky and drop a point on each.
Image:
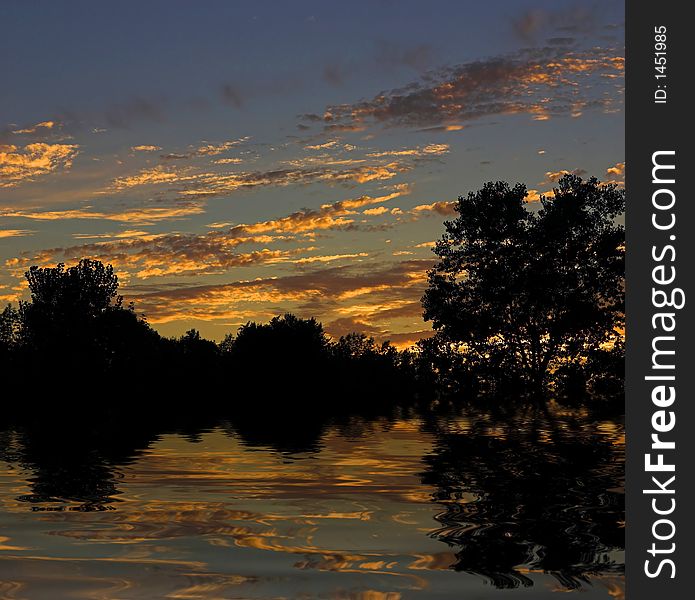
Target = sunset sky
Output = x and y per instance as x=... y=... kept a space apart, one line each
x=239 y=160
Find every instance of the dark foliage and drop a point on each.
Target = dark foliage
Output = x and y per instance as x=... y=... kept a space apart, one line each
x=75 y=339
x=530 y=293
x=532 y=492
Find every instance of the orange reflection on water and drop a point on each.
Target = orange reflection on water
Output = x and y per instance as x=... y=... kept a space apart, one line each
x=218 y=518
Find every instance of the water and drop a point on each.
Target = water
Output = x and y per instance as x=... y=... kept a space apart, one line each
x=465 y=507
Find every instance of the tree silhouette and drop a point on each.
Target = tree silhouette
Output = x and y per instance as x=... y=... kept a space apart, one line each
x=192 y=361
x=372 y=374
x=89 y=287
x=527 y=291
x=286 y=346
x=76 y=323
x=65 y=303
x=10 y=329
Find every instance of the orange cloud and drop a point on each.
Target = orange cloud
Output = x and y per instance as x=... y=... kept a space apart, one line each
x=408 y=339
x=145 y=148
x=376 y=295
x=35 y=128
x=340 y=168
x=533 y=196
x=442 y=208
x=554 y=176
x=328 y=258
x=529 y=82
x=140 y=216
x=214 y=149
x=129 y=234
x=227 y=161
x=33 y=160
x=208 y=149
x=212 y=252
x=211 y=184
x=324 y=146
x=8 y=233
x=429 y=150
x=328 y=216
x=618 y=169
x=149 y=176
x=380 y=210
x=207 y=263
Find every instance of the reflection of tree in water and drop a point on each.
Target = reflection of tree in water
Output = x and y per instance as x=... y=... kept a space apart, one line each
x=534 y=493
x=281 y=431
x=544 y=500
x=74 y=458
x=71 y=468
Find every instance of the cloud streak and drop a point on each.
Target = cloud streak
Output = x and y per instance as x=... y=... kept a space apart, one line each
x=212 y=252
x=374 y=294
x=9 y=233
x=145 y=148
x=35 y=128
x=340 y=167
x=541 y=83
x=139 y=216
x=207 y=149
x=443 y=208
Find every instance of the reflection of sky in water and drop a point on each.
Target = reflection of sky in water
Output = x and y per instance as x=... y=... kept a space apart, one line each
x=218 y=519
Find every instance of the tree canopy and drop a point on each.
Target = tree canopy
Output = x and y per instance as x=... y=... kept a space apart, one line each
x=76 y=321
x=89 y=287
x=529 y=291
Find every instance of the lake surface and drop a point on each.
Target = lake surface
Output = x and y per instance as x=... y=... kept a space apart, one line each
x=465 y=507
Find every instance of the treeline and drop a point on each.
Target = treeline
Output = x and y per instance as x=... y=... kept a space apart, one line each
x=526 y=299
x=76 y=342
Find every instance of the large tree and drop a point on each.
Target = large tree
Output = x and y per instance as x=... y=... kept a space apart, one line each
x=65 y=302
x=527 y=287
x=76 y=320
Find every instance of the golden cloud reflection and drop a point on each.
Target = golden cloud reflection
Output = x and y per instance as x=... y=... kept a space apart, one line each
x=217 y=497
x=213 y=517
